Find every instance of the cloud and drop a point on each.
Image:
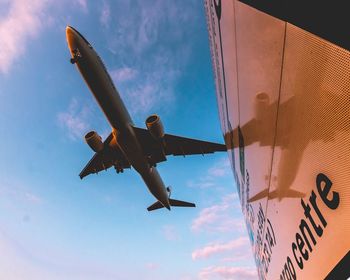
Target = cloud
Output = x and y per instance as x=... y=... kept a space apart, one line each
x=75 y=120
x=82 y=4
x=149 y=41
x=221 y=220
x=170 y=233
x=22 y=22
x=220 y=169
x=227 y=272
x=32 y=197
x=219 y=248
x=219 y=217
x=123 y=74
x=19 y=193
x=21 y=262
x=105 y=16
x=140 y=26
x=152 y=266
x=146 y=87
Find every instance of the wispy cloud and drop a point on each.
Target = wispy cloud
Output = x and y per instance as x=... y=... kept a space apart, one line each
x=221 y=221
x=228 y=272
x=145 y=87
x=170 y=233
x=105 y=15
x=219 y=217
x=21 y=262
x=82 y=5
x=22 y=22
x=219 y=248
x=140 y=26
x=152 y=266
x=123 y=74
x=32 y=197
x=18 y=193
x=75 y=120
x=219 y=169
x=149 y=40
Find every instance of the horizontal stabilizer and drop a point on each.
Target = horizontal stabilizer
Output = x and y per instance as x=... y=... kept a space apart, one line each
x=155 y=206
x=179 y=203
x=172 y=202
x=260 y=195
x=294 y=193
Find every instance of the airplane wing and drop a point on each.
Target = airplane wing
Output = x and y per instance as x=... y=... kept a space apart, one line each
x=104 y=160
x=175 y=145
x=181 y=146
x=260 y=131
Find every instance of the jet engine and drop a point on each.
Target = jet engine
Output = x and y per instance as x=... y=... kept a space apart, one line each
x=94 y=141
x=155 y=126
x=261 y=105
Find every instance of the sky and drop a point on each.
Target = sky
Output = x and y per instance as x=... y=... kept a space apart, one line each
x=54 y=225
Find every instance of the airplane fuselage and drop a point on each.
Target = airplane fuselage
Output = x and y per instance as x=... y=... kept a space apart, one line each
x=101 y=85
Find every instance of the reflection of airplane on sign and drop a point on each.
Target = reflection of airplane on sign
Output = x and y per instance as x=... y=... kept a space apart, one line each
x=283 y=91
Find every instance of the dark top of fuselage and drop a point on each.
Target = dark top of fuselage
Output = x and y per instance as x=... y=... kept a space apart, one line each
x=98 y=57
x=93 y=54
x=86 y=41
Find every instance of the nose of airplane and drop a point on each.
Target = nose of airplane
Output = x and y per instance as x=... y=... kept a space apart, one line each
x=71 y=37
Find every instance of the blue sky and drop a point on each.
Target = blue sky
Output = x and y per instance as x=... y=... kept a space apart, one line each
x=55 y=226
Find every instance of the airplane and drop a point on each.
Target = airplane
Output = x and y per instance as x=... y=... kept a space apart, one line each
x=127 y=145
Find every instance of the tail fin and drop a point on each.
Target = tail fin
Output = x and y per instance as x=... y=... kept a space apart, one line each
x=179 y=203
x=274 y=194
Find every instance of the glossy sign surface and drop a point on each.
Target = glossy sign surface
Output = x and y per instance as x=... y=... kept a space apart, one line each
x=284 y=101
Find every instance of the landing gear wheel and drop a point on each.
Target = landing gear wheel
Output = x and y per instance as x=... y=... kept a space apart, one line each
x=118 y=169
x=76 y=56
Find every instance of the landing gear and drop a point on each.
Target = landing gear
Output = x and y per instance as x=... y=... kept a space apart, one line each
x=118 y=168
x=76 y=56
